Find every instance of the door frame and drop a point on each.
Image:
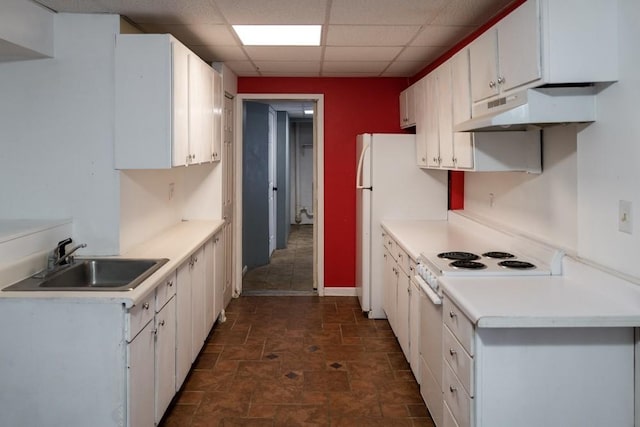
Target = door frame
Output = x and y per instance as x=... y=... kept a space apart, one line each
x=318 y=182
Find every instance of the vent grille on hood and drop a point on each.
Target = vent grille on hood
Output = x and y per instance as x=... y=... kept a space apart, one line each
x=533 y=109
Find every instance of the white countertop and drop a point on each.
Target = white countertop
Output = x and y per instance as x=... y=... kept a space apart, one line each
x=177 y=244
x=582 y=297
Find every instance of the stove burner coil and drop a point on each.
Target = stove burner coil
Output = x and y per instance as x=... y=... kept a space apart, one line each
x=458 y=256
x=518 y=265
x=467 y=265
x=498 y=255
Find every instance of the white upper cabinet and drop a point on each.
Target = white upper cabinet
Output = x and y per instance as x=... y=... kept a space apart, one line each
x=546 y=42
x=421 y=141
x=164 y=104
x=508 y=55
x=445 y=115
x=461 y=93
x=432 y=135
x=407 y=107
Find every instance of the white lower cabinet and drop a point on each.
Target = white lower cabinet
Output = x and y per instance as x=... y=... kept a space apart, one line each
x=183 y=323
x=165 y=357
x=198 y=293
x=140 y=377
x=414 y=329
x=535 y=376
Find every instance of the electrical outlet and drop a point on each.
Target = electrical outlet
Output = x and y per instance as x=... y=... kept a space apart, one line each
x=625 y=218
x=171 y=190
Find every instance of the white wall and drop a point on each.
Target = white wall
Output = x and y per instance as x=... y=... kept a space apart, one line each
x=26 y=30
x=574 y=202
x=56 y=133
x=609 y=159
x=543 y=206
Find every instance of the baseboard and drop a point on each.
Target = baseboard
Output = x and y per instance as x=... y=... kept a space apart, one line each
x=340 y=292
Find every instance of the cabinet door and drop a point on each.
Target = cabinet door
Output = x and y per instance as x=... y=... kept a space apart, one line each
x=402 y=312
x=183 y=323
x=198 y=332
x=461 y=90
x=403 y=109
x=519 y=47
x=414 y=330
x=209 y=280
x=218 y=100
x=390 y=288
x=421 y=123
x=196 y=113
x=180 y=110
x=205 y=145
x=165 y=357
x=431 y=120
x=140 y=378
x=445 y=115
x=483 y=56
x=219 y=280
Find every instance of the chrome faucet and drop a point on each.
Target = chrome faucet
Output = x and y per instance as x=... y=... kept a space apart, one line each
x=60 y=256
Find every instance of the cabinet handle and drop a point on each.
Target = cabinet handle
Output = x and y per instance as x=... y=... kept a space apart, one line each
x=170 y=283
x=452 y=352
x=161 y=323
x=453 y=388
x=492 y=84
x=145 y=306
x=452 y=314
x=501 y=80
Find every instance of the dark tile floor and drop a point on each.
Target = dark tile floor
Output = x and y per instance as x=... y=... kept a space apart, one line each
x=290 y=269
x=299 y=361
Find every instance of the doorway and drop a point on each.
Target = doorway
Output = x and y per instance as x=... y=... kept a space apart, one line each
x=280 y=212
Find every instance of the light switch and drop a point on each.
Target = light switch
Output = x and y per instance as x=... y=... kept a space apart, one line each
x=625 y=218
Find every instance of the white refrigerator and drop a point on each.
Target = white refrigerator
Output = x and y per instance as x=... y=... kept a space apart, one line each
x=389 y=185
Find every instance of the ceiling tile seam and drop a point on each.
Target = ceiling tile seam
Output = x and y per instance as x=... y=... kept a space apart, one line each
x=325 y=31
x=214 y=4
x=395 y=58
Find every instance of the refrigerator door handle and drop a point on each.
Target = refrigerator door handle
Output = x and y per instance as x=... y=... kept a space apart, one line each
x=360 y=165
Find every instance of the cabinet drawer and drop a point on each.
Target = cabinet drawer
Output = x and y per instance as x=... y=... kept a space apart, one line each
x=447 y=418
x=139 y=315
x=402 y=258
x=456 y=397
x=165 y=290
x=459 y=324
x=390 y=244
x=458 y=359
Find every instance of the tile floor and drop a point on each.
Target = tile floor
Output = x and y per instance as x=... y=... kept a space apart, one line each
x=290 y=269
x=299 y=361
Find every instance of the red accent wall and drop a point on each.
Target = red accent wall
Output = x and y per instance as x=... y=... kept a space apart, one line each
x=351 y=106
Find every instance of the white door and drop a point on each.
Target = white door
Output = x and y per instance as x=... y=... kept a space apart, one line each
x=272 y=181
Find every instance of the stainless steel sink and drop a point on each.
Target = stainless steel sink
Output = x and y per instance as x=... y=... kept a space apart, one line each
x=95 y=274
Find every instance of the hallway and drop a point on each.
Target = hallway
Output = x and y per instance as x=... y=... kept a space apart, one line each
x=290 y=270
x=297 y=361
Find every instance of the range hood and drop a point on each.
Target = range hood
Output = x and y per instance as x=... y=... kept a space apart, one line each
x=533 y=109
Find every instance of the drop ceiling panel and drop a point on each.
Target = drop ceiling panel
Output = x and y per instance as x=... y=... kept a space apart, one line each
x=442 y=35
x=195 y=34
x=219 y=53
x=275 y=53
x=421 y=53
x=404 y=68
x=289 y=66
x=397 y=12
x=370 y=35
x=360 y=37
x=273 y=11
x=475 y=13
x=361 y=53
x=354 y=66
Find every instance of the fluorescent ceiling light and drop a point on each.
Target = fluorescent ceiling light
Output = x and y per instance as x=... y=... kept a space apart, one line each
x=308 y=112
x=279 y=35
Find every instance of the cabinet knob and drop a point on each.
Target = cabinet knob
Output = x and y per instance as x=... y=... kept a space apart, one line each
x=161 y=323
x=500 y=80
x=492 y=84
x=453 y=388
x=424 y=160
x=452 y=352
x=170 y=283
x=145 y=306
x=452 y=314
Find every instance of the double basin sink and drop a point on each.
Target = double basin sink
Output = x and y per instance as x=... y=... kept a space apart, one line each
x=95 y=274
